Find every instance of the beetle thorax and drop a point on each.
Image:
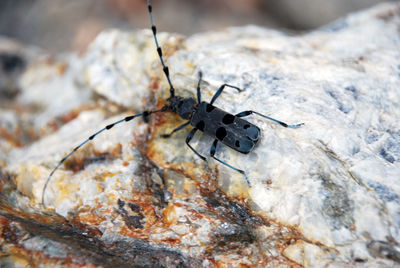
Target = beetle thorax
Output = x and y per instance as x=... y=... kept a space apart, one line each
x=183 y=106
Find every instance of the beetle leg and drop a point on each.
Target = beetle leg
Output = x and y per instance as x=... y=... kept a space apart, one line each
x=198 y=87
x=246 y=113
x=189 y=138
x=212 y=153
x=175 y=130
x=219 y=91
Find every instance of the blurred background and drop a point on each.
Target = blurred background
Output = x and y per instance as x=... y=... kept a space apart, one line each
x=63 y=25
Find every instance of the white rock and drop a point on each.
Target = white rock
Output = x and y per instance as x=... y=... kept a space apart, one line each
x=335 y=180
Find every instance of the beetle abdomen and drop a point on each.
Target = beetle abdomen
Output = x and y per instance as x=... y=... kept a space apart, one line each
x=231 y=130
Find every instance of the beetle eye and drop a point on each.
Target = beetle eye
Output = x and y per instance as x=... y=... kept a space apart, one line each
x=209 y=108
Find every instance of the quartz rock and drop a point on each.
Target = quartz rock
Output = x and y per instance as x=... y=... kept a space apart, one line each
x=324 y=194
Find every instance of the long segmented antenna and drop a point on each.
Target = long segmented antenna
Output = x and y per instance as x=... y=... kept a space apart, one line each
x=159 y=51
x=126 y=119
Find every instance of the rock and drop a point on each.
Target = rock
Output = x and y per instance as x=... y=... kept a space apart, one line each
x=323 y=194
x=310 y=14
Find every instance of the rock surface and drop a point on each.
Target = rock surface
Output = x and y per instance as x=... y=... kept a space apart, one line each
x=325 y=194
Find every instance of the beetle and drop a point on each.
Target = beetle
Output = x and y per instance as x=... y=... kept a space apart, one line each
x=231 y=130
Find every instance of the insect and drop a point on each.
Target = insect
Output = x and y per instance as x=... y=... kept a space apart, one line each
x=231 y=130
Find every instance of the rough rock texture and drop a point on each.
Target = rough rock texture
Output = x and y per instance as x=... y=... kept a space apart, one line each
x=326 y=194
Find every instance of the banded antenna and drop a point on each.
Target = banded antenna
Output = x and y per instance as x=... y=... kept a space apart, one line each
x=159 y=50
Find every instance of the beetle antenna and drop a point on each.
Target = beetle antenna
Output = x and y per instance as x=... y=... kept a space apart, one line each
x=159 y=50
x=145 y=115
